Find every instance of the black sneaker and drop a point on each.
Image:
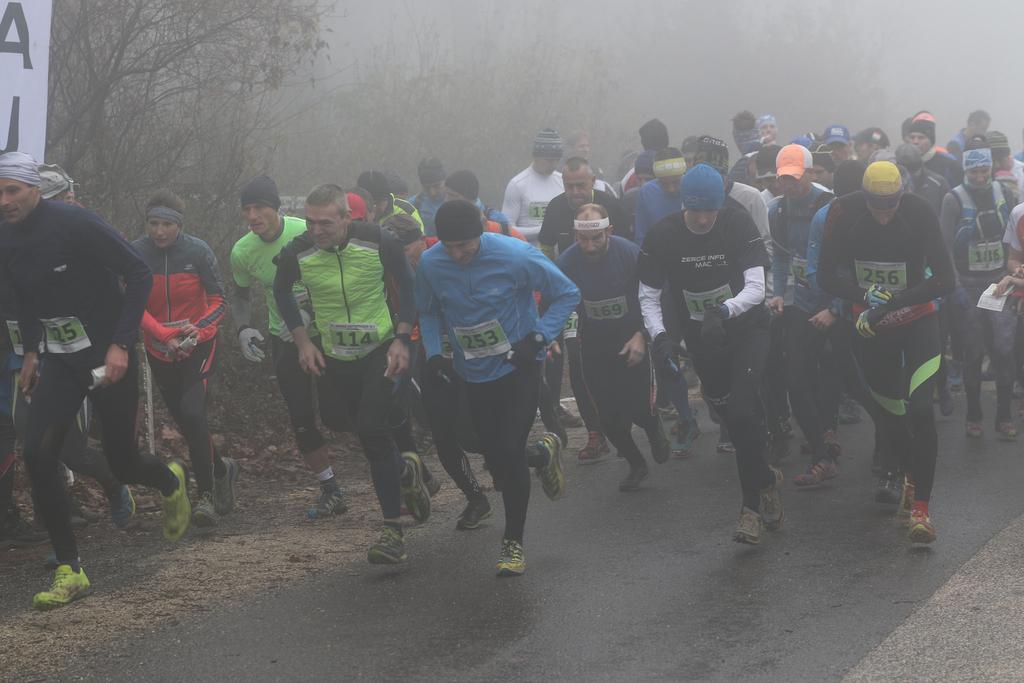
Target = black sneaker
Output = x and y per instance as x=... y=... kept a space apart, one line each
x=633 y=479
x=477 y=510
x=889 y=488
x=17 y=533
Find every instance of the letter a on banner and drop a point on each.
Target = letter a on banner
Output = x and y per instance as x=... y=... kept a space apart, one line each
x=25 y=65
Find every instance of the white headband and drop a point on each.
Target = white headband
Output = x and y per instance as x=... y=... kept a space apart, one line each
x=586 y=226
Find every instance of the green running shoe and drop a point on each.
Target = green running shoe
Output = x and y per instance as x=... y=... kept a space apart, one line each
x=331 y=501
x=551 y=477
x=512 y=561
x=389 y=548
x=414 y=492
x=177 y=509
x=66 y=588
x=224 y=487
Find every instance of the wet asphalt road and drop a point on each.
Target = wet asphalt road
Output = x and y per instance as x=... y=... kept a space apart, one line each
x=645 y=586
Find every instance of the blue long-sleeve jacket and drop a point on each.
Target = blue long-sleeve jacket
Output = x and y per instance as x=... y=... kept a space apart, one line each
x=653 y=204
x=496 y=285
x=814 y=252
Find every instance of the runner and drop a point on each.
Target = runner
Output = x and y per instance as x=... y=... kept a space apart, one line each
x=713 y=260
x=464 y=185
x=767 y=180
x=768 y=127
x=807 y=317
x=1006 y=170
x=977 y=124
x=974 y=218
x=643 y=171
x=344 y=265
x=747 y=137
x=616 y=367
x=921 y=132
x=527 y=195
x=823 y=167
x=868 y=141
x=432 y=175
x=837 y=140
x=556 y=233
x=252 y=261
x=876 y=246
x=653 y=138
x=577 y=144
x=499 y=342
x=66 y=267
x=660 y=197
x=180 y=324
x=386 y=204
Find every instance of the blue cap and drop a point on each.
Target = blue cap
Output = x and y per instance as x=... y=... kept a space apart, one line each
x=837 y=133
x=703 y=189
x=805 y=140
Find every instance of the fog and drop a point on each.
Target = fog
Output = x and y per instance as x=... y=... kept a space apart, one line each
x=608 y=67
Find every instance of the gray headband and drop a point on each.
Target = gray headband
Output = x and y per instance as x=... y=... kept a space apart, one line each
x=167 y=214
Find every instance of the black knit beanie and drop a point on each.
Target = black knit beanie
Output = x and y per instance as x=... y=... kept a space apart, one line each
x=261 y=190
x=465 y=183
x=457 y=221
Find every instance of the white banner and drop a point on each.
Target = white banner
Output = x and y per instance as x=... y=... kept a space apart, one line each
x=25 y=65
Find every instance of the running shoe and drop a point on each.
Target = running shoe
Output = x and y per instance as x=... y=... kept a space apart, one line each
x=945 y=401
x=389 y=548
x=749 y=529
x=889 y=489
x=17 y=533
x=67 y=587
x=1007 y=431
x=849 y=412
x=772 y=512
x=684 y=434
x=567 y=419
x=906 y=497
x=512 y=561
x=122 y=508
x=975 y=430
x=817 y=473
x=331 y=501
x=921 y=528
x=725 y=447
x=414 y=492
x=595 y=450
x=177 y=509
x=477 y=510
x=204 y=513
x=551 y=477
x=633 y=479
x=224 y=487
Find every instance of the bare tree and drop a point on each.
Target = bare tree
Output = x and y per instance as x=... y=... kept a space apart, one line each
x=149 y=93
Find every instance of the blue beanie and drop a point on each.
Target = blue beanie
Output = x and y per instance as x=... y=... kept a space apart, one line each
x=703 y=189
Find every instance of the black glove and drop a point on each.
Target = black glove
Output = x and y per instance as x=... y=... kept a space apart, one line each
x=665 y=352
x=440 y=368
x=524 y=352
x=712 y=331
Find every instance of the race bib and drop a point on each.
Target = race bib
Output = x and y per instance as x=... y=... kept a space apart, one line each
x=985 y=256
x=799 y=269
x=446 y=347
x=698 y=302
x=65 y=335
x=572 y=326
x=14 y=331
x=606 y=309
x=537 y=210
x=353 y=340
x=891 y=275
x=483 y=340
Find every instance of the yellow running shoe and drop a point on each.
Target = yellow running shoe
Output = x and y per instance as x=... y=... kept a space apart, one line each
x=551 y=476
x=512 y=562
x=921 y=528
x=66 y=588
x=177 y=509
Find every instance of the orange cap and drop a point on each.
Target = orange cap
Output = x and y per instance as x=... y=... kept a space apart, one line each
x=793 y=160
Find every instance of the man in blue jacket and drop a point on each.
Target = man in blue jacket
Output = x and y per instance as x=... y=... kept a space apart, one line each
x=478 y=288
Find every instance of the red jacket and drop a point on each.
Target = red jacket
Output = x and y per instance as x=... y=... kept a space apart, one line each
x=187 y=288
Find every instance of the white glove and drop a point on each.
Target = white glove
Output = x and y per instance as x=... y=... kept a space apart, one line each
x=247 y=339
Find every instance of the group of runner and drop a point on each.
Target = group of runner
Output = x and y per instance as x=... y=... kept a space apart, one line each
x=788 y=280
